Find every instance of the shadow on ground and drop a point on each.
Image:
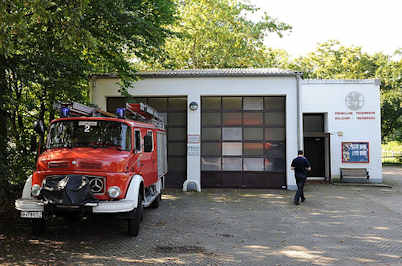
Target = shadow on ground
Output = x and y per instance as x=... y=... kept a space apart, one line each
x=336 y=225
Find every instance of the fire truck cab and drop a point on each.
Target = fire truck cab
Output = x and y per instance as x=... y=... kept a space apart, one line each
x=96 y=162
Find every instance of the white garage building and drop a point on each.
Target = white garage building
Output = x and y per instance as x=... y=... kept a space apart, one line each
x=242 y=127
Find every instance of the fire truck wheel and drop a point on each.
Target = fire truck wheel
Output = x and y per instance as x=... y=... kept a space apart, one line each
x=38 y=226
x=155 y=203
x=134 y=222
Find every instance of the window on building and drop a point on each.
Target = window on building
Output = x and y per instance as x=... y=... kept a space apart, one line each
x=313 y=123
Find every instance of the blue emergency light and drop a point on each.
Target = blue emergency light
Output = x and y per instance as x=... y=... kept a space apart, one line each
x=121 y=112
x=65 y=112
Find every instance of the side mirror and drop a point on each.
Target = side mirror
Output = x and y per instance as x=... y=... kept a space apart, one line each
x=39 y=128
x=147 y=143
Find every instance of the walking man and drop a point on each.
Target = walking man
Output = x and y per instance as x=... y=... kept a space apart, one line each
x=300 y=165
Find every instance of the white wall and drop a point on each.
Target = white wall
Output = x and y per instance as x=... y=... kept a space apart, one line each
x=328 y=96
x=194 y=88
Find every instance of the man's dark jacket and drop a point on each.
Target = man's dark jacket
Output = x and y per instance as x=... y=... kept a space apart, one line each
x=300 y=163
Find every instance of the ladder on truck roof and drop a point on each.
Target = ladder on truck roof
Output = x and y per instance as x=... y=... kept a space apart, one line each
x=145 y=113
x=133 y=111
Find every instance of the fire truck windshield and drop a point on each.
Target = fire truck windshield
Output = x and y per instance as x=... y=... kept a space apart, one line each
x=89 y=133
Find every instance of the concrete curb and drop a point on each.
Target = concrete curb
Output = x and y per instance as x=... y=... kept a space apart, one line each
x=362 y=185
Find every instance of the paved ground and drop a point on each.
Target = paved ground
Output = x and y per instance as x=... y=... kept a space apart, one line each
x=342 y=225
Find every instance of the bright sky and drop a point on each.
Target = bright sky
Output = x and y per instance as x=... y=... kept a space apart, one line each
x=374 y=25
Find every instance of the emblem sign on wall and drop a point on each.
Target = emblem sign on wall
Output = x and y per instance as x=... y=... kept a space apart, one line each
x=354 y=101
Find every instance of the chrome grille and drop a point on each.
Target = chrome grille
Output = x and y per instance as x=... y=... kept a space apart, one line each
x=97 y=184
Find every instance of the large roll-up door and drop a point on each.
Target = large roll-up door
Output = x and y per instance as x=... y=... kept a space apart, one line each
x=174 y=109
x=243 y=142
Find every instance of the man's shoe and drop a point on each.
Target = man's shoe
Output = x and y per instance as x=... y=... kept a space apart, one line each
x=296 y=203
x=303 y=199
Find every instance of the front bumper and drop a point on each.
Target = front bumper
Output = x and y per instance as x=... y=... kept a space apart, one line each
x=32 y=205
x=29 y=205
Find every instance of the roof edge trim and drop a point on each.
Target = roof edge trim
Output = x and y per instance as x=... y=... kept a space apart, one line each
x=208 y=73
x=341 y=81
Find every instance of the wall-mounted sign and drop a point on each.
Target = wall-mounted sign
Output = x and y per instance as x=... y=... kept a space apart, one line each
x=343 y=115
x=354 y=115
x=354 y=100
x=355 y=152
x=365 y=115
x=193 y=138
x=193 y=150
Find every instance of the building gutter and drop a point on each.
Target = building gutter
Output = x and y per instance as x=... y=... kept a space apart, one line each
x=299 y=112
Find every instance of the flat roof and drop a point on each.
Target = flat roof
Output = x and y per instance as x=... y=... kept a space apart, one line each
x=208 y=73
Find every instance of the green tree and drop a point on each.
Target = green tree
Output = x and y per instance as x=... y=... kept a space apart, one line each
x=331 y=60
x=48 y=49
x=391 y=113
x=219 y=34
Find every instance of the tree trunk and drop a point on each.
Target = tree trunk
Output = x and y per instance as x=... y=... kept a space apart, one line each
x=3 y=130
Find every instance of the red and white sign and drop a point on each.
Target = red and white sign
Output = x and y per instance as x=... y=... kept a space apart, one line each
x=354 y=116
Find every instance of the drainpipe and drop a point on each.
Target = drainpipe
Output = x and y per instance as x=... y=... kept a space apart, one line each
x=299 y=113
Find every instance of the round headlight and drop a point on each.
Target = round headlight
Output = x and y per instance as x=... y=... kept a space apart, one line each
x=35 y=191
x=114 y=192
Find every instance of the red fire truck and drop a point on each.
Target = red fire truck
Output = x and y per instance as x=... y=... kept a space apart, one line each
x=97 y=162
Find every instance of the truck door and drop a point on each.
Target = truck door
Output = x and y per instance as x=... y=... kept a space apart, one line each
x=148 y=159
x=135 y=164
x=154 y=156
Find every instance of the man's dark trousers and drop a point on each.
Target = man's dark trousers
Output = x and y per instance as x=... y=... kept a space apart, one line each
x=300 y=188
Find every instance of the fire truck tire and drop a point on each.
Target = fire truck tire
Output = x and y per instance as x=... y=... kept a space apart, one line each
x=155 y=203
x=134 y=222
x=38 y=226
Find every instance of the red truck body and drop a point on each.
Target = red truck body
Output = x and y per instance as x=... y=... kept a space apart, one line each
x=121 y=162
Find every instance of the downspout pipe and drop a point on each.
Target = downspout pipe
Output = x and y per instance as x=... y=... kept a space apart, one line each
x=299 y=112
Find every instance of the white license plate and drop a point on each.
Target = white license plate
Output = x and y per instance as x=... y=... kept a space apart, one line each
x=26 y=214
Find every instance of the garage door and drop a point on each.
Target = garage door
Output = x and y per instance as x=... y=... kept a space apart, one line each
x=174 y=109
x=243 y=142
